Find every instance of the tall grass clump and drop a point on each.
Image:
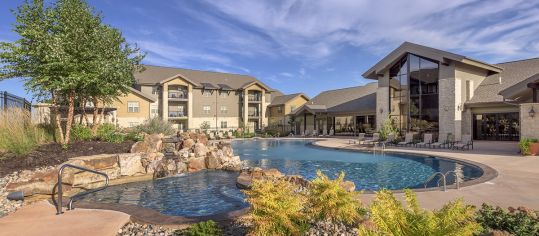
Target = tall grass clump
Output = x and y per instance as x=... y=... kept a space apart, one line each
x=17 y=133
x=81 y=132
x=390 y=217
x=205 y=228
x=155 y=126
x=328 y=200
x=276 y=208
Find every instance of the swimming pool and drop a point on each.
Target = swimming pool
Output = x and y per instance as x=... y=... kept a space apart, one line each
x=203 y=193
x=368 y=171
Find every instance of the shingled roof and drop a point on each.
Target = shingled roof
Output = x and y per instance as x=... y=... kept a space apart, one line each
x=157 y=74
x=283 y=99
x=359 y=99
x=513 y=73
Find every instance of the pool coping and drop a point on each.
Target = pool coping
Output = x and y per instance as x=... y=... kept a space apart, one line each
x=489 y=173
x=144 y=215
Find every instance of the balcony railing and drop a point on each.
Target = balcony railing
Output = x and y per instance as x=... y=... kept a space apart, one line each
x=253 y=114
x=254 y=98
x=177 y=114
x=177 y=95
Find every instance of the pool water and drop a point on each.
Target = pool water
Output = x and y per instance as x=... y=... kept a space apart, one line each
x=197 y=194
x=208 y=192
x=366 y=170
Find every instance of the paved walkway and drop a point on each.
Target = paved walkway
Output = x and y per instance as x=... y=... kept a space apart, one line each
x=517 y=183
x=40 y=219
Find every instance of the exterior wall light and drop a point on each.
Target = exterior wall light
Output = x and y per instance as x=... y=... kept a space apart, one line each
x=531 y=112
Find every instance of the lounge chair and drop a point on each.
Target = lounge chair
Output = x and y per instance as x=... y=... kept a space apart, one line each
x=427 y=140
x=211 y=136
x=331 y=132
x=466 y=142
x=220 y=135
x=231 y=135
x=408 y=140
x=442 y=141
x=375 y=139
x=359 y=140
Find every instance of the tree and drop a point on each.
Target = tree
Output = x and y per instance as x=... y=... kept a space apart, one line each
x=64 y=49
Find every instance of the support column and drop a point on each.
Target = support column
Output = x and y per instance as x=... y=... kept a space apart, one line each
x=534 y=92
x=245 y=108
x=263 y=110
x=304 y=122
x=165 y=102
x=190 y=107
x=314 y=123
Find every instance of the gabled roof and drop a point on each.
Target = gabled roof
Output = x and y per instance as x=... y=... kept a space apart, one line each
x=157 y=74
x=360 y=99
x=515 y=73
x=143 y=95
x=428 y=52
x=283 y=99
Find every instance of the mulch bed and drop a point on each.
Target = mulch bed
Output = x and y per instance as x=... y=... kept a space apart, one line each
x=53 y=154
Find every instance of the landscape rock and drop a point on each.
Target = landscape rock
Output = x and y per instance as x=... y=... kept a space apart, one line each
x=200 y=150
x=140 y=147
x=41 y=182
x=188 y=143
x=131 y=164
x=213 y=161
x=196 y=164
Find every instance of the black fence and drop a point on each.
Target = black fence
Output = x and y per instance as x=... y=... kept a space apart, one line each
x=8 y=100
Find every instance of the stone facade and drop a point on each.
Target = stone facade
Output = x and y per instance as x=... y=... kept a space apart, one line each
x=529 y=126
x=382 y=101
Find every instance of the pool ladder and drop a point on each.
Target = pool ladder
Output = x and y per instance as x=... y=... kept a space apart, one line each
x=60 y=191
x=443 y=179
x=382 y=149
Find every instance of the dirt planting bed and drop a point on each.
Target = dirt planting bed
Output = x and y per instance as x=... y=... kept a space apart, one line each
x=53 y=154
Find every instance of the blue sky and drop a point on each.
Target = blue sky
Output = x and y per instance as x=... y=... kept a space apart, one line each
x=307 y=45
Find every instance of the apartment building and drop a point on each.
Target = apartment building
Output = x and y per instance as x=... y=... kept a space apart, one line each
x=282 y=108
x=190 y=98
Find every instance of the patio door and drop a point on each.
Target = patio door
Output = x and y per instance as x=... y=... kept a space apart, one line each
x=497 y=126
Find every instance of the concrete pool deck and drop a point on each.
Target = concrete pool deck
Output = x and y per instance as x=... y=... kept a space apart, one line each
x=517 y=183
x=40 y=218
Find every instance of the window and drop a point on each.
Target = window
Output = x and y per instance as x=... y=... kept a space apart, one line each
x=206 y=109
x=224 y=94
x=207 y=93
x=280 y=110
x=224 y=110
x=153 y=110
x=224 y=124
x=133 y=107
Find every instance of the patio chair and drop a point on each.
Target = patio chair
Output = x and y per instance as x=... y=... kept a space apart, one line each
x=375 y=139
x=331 y=132
x=315 y=133
x=360 y=138
x=465 y=142
x=442 y=141
x=220 y=135
x=408 y=140
x=427 y=140
x=211 y=136
x=231 y=135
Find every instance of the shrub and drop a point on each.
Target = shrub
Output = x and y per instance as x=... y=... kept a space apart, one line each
x=108 y=133
x=81 y=132
x=155 y=126
x=517 y=222
x=390 y=217
x=17 y=133
x=205 y=228
x=524 y=145
x=276 y=208
x=205 y=126
x=134 y=135
x=328 y=200
x=388 y=127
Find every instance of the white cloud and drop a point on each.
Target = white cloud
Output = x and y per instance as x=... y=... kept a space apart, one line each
x=317 y=29
x=286 y=74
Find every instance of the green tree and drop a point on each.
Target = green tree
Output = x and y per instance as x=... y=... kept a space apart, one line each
x=64 y=49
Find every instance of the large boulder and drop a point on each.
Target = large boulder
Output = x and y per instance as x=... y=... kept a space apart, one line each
x=200 y=150
x=212 y=160
x=151 y=143
x=196 y=164
x=202 y=138
x=107 y=163
x=188 y=143
x=246 y=177
x=232 y=163
x=131 y=164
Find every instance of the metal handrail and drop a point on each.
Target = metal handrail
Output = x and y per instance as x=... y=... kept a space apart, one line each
x=456 y=177
x=60 y=193
x=432 y=177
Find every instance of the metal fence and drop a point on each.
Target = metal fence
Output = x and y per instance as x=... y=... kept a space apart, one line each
x=8 y=100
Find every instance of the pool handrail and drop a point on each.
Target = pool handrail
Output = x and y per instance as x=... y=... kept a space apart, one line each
x=432 y=177
x=60 y=192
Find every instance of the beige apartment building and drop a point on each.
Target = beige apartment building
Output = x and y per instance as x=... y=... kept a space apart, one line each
x=189 y=98
x=282 y=109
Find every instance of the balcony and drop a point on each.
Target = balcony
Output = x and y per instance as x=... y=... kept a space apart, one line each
x=254 y=97
x=177 y=115
x=175 y=95
x=253 y=114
